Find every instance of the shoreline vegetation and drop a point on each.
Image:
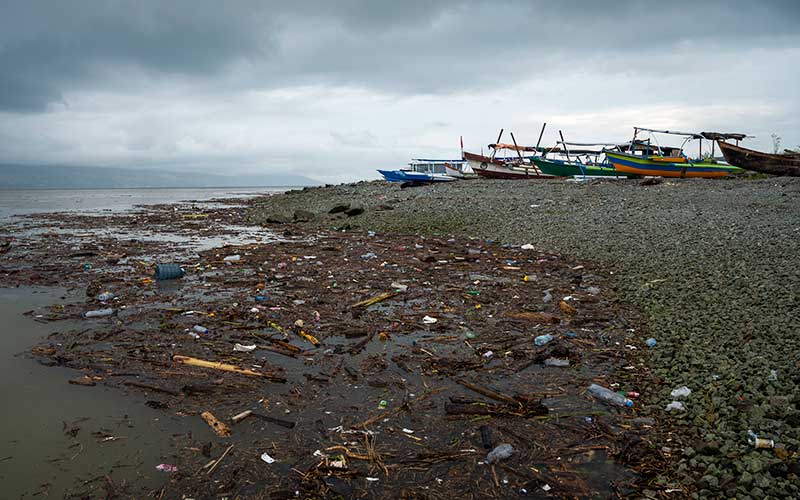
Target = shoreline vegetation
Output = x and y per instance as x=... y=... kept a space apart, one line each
x=712 y=263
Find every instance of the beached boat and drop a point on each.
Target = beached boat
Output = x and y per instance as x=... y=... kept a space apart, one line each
x=562 y=168
x=501 y=168
x=421 y=171
x=674 y=163
x=749 y=159
x=414 y=177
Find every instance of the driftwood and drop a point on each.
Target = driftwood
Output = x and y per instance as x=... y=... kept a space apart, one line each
x=215 y=365
x=219 y=427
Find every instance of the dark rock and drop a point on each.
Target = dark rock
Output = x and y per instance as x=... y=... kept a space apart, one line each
x=339 y=208
x=353 y=211
x=652 y=181
x=278 y=219
x=303 y=216
x=708 y=448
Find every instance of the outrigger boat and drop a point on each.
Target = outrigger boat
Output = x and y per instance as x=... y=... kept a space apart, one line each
x=668 y=161
x=423 y=171
x=494 y=167
x=589 y=166
x=787 y=163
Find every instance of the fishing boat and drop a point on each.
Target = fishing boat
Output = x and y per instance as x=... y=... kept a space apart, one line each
x=668 y=162
x=495 y=167
x=421 y=171
x=563 y=168
x=584 y=163
x=776 y=164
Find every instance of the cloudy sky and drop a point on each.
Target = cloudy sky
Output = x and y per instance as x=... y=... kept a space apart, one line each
x=335 y=89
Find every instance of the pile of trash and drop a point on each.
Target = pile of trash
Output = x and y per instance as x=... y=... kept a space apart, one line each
x=330 y=363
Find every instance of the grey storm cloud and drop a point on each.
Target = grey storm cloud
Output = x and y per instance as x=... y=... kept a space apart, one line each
x=48 y=49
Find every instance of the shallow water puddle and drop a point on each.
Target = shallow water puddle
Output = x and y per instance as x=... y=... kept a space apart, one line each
x=56 y=437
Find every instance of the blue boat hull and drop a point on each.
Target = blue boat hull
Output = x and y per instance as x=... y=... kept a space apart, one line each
x=416 y=177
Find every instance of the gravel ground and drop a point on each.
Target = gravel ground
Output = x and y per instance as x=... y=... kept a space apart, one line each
x=712 y=263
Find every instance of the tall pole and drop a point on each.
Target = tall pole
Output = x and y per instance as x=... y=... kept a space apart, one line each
x=540 y=136
x=500 y=135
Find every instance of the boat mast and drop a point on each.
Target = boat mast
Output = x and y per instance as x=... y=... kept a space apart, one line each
x=540 y=137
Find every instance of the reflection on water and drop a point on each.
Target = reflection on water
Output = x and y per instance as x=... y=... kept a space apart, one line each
x=56 y=437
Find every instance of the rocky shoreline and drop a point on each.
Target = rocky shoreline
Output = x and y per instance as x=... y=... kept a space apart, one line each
x=712 y=263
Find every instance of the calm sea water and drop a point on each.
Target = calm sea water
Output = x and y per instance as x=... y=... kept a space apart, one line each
x=25 y=201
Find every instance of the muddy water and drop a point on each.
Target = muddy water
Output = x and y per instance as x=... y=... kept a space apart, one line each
x=114 y=432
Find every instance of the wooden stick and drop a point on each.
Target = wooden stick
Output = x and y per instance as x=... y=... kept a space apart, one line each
x=488 y=393
x=202 y=363
x=220 y=428
x=373 y=300
x=219 y=460
x=241 y=416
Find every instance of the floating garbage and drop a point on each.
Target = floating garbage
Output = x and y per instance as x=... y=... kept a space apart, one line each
x=651 y=342
x=542 y=339
x=556 y=362
x=105 y=296
x=167 y=467
x=488 y=354
x=398 y=287
x=244 y=348
x=502 y=452
x=429 y=320
x=680 y=392
x=773 y=376
x=98 y=313
x=199 y=329
x=593 y=290
x=267 y=459
x=233 y=258
x=547 y=296
x=527 y=246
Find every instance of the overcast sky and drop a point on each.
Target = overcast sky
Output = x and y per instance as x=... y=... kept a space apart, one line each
x=335 y=89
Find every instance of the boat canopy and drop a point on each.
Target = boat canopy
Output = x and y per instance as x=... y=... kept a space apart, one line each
x=711 y=136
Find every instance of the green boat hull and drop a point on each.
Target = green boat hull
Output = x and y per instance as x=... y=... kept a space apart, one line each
x=565 y=169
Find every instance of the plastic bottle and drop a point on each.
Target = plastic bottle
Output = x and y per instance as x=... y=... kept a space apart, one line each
x=609 y=396
x=502 y=452
x=105 y=296
x=199 y=329
x=98 y=313
x=168 y=271
x=758 y=442
x=542 y=339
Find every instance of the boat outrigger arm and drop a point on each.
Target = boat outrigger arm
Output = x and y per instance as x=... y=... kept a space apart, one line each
x=688 y=136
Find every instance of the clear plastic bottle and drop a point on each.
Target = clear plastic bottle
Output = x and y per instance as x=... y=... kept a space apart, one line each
x=609 y=396
x=542 y=339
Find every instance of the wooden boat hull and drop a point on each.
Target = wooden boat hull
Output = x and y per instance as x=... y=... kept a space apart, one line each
x=639 y=165
x=490 y=168
x=567 y=169
x=757 y=161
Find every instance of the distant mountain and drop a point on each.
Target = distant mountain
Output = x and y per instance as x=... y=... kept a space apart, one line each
x=27 y=176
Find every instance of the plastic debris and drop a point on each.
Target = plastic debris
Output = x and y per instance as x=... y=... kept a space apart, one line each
x=267 y=459
x=593 y=290
x=199 y=329
x=98 y=313
x=758 y=442
x=680 y=392
x=260 y=298
x=556 y=362
x=233 y=258
x=609 y=396
x=383 y=403
x=651 y=342
x=548 y=297
x=429 y=320
x=105 y=296
x=501 y=452
x=542 y=339
x=773 y=376
x=398 y=287
x=168 y=272
x=675 y=406
x=244 y=348
x=488 y=354
x=527 y=246
x=167 y=467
